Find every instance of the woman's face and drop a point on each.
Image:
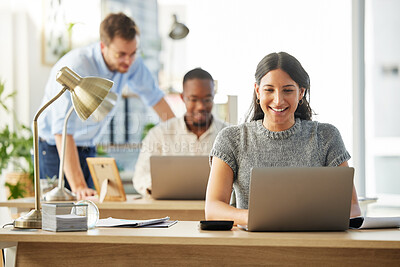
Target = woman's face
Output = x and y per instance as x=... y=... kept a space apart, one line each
x=279 y=96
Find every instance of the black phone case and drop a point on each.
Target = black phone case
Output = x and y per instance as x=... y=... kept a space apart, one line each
x=356 y=222
x=216 y=225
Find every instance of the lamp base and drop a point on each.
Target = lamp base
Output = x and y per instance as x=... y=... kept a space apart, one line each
x=59 y=194
x=32 y=220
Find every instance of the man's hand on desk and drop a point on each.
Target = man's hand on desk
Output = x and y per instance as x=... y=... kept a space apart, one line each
x=83 y=193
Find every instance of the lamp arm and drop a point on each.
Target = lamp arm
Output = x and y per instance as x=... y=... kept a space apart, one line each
x=36 y=148
x=61 y=181
x=49 y=103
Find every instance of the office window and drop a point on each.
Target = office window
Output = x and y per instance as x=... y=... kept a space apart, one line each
x=382 y=97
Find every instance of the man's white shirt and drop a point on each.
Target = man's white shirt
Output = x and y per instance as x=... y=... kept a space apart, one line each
x=172 y=137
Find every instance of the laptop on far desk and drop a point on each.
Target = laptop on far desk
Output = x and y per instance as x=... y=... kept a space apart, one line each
x=179 y=177
x=300 y=199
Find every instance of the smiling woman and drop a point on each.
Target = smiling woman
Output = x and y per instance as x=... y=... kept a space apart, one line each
x=279 y=133
x=280 y=92
x=279 y=97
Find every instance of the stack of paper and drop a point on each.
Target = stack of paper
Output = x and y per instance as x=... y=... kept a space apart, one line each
x=374 y=222
x=61 y=217
x=152 y=223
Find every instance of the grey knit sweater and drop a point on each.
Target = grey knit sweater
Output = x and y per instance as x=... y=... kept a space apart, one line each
x=249 y=145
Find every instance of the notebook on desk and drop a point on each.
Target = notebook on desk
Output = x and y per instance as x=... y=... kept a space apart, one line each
x=179 y=177
x=300 y=199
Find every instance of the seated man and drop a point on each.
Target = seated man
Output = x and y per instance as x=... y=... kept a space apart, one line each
x=192 y=134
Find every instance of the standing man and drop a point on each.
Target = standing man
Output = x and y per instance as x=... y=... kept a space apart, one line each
x=192 y=134
x=115 y=58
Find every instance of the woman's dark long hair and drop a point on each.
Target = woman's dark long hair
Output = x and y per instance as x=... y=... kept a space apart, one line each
x=291 y=66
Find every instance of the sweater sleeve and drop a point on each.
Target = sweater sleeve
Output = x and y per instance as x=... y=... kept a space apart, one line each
x=332 y=147
x=225 y=148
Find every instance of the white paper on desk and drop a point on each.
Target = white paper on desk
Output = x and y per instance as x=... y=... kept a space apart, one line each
x=112 y=222
x=380 y=222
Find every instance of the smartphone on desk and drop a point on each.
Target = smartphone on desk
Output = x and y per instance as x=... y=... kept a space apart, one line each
x=216 y=225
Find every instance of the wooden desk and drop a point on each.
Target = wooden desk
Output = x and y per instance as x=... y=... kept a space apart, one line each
x=183 y=210
x=184 y=244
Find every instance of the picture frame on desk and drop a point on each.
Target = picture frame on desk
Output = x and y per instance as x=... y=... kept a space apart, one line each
x=106 y=179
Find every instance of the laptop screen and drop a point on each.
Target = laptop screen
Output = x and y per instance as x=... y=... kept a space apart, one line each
x=300 y=199
x=179 y=177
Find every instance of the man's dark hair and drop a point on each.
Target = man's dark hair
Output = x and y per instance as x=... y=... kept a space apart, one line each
x=119 y=25
x=197 y=73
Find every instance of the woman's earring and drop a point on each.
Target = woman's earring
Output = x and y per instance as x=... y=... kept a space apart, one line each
x=301 y=102
x=258 y=101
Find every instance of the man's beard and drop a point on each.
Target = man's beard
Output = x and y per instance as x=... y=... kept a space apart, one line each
x=203 y=124
x=200 y=124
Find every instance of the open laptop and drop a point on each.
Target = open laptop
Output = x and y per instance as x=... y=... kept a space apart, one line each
x=300 y=199
x=179 y=177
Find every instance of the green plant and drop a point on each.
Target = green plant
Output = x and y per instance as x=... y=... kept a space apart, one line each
x=16 y=190
x=4 y=98
x=69 y=29
x=100 y=151
x=15 y=146
x=146 y=129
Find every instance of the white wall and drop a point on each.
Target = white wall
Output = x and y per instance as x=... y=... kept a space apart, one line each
x=6 y=63
x=21 y=65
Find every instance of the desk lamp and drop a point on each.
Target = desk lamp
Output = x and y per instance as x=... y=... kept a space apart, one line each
x=178 y=30
x=61 y=193
x=86 y=94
